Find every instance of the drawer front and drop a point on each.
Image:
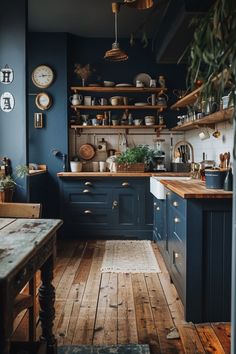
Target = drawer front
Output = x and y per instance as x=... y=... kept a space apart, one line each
x=79 y=196
x=89 y=217
x=177 y=202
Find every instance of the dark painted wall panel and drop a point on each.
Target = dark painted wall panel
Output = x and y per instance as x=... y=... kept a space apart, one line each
x=50 y=49
x=13 y=53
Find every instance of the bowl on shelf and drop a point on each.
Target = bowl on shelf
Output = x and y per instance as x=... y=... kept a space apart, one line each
x=108 y=83
x=149 y=120
x=138 y=121
x=117 y=100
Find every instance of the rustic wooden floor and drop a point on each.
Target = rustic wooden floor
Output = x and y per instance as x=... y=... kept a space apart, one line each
x=95 y=308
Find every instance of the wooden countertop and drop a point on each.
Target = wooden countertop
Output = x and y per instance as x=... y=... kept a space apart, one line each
x=36 y=172
x=120 y=174
x=195 y=189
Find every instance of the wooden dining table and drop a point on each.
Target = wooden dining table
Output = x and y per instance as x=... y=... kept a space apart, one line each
x=27 y=245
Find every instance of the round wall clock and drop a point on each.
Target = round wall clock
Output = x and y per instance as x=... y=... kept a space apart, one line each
x=42 y=76
x=43 y=101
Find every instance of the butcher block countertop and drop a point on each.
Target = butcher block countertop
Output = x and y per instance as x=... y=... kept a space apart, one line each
x=120 y=174
x=195 y=189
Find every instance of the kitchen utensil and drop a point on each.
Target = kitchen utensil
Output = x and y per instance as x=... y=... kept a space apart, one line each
x=228 y=159
x=87 y=151
x=225 y=159
x=144 y=78
x=221 y=160
x=153 y=83
x=216 y=134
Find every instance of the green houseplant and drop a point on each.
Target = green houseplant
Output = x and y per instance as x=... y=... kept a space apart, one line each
x=135 y=159
x=212 y=57
x=8 y=183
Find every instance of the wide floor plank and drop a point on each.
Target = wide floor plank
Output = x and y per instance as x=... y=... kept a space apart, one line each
x=106 y=308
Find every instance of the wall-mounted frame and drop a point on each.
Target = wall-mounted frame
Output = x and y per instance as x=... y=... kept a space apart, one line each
x=38 y=120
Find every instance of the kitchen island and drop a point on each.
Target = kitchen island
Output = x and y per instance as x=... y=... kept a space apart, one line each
x=193 y=228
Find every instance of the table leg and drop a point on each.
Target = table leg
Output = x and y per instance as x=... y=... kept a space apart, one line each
x=6 y=321
x=46 y=301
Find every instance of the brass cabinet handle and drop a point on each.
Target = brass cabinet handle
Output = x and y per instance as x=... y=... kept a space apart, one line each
x=86 y=191
x=125 y=184
x=88 y=183
x=175 y=204
x=168 y=193
x=176 y=220
x=176 y=254
x=114 y=204
x=157 y=208
x=88 y=211
x=154 y=203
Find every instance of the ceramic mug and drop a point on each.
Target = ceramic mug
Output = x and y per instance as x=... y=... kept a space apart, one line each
x=152 y=99
x=102 y=166
x=204 y=135
x=95 y=166
x=76 y=99
x=103 y=101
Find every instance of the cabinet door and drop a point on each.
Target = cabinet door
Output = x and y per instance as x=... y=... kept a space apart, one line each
x=125 y=207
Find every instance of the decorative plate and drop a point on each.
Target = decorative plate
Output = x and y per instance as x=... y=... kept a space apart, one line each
x=124 y=85
x=141 y=104
x=144 y=78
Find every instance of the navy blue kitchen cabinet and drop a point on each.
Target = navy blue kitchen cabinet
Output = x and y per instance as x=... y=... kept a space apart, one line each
x=106 y=207
x=198 y=241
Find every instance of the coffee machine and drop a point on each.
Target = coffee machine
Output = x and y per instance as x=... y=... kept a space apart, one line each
x=159 y=156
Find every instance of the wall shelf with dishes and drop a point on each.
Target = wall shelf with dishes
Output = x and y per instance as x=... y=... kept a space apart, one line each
x=131 y=89
x=157 y=127
x=157 y=100
x=210 y=120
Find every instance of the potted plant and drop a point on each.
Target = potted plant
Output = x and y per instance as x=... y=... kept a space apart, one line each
x=135 y=159
x=8 y=183
x=213 y=53
x=75 y=164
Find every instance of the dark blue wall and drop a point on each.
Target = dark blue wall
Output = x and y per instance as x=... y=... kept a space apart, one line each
x=13 y=53
x=141 y=60
x=50 y=49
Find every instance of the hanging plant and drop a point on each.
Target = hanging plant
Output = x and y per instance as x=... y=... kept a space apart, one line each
x=212 y=57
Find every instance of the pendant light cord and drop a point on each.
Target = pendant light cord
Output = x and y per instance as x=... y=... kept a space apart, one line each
x=116 y=31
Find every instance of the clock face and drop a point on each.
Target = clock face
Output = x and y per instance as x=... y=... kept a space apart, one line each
x=43 y=101
x=42 y=76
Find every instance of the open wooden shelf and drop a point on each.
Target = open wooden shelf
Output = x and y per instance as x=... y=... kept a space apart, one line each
x=110 y=107
x=158 y=90
x=217 y=117
x=187 y=100
x=159 y=126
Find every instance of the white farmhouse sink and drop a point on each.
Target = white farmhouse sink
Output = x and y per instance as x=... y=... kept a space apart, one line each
x=158 y=189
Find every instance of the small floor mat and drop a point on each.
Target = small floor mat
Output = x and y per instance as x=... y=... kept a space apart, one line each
x=129 y=257
x=105 y=349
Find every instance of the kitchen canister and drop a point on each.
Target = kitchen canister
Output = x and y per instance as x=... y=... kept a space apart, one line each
x=215 y=178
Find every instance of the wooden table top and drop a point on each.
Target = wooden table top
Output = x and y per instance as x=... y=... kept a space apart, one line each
x=20 y=237
x=195 y=189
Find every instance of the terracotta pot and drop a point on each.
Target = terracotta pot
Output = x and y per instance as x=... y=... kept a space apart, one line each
x=6 y=196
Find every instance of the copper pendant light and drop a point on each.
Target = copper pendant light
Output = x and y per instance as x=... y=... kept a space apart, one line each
x=115 y=54
x=139 y=4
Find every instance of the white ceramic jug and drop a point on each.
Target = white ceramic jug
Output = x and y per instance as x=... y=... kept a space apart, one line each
x=76 y=99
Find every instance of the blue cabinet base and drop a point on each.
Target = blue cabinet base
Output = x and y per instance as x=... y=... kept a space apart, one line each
x=106 y=208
